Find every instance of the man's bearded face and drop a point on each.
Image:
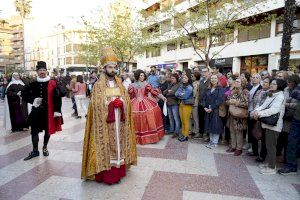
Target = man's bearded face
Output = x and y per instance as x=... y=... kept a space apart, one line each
x=111 y=70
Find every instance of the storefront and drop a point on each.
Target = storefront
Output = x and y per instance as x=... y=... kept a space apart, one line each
x=225 y=64
x=254 y=64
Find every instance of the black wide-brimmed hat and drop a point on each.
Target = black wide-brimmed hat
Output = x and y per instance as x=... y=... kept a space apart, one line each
x=41 y=65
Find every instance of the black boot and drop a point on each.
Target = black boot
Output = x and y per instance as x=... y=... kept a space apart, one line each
x=45 y=151
x=32 y=155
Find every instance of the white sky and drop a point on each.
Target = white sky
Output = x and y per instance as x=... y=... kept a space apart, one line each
x=45 y=14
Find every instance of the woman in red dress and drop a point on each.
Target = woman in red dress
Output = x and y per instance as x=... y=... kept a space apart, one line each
x=146 y=112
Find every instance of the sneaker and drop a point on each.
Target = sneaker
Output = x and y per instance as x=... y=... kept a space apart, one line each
x=247 y=146
x=45 y=152
x=238 y=152
x=182 y=139
x=268 y=171
x=198 y=136
x=263 y=165
x=287 y=171
x=32 y=155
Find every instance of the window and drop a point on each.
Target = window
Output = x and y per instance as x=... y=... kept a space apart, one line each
x=156 y=52
x=171 y=47
x=165 y=26
x=148 y=53
x=68 y=60
x=180 y=20
x=185 y=44
x=78 y=60
x=77 y=47
x=165 y=5
x=68 y=48
x=254 y=33
x=296 y=25
x=176 y=2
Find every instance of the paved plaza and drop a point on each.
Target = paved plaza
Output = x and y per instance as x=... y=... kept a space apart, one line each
x=168 y=170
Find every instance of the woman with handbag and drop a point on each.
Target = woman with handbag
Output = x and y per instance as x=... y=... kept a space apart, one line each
x=213 y=99
x=185 y=95
x=238 y=113
x=270 y=114
x=259 y=133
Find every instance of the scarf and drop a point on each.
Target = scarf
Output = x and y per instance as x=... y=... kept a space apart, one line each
x=43 y=79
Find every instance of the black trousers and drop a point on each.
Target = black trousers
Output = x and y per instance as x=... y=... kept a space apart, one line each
x=35 y=138
x=201 y=112
x=251 y=139
x=263 y=149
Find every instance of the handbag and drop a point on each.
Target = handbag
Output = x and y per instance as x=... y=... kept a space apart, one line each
x=257 y=130
x=270 y=120
x=222 y=110
x=238 y=112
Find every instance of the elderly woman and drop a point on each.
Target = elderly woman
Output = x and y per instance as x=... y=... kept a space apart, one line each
x=213 y=99
x=258 y=100
x=238 y=113
x=17 y=107
x=273 y=105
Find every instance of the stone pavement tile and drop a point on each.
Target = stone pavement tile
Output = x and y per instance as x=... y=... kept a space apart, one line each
x=30 y=196
x=237 y=182
x=297 y=187
x=160 y=145
x=174 y=150
x=15 y=155
x=16 y=169
x=35 y=176
x=187 y=195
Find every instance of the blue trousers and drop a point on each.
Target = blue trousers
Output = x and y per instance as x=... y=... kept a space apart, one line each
x=293 y=148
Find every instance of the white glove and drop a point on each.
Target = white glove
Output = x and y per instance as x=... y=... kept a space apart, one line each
x=19 y=93
x=37 y=102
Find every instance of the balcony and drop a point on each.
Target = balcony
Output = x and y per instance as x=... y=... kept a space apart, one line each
x=17 y=38
x=17 y=45
x=17 y=52
x=18 y=30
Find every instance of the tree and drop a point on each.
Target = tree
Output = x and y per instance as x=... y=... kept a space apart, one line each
x=209 y=24
x=288 y=19
x=23 y=7
x=120 y=30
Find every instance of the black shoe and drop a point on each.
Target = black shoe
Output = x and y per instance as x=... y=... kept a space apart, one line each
x=32 y=155
x=259 y=159
x=182 y=139
x=252 y=154
x=45 y=152
x=287 y=171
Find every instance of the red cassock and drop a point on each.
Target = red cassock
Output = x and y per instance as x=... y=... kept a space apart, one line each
x=54 y=123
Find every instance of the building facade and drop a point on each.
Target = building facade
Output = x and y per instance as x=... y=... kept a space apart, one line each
x=11 y=44
x=252 y=50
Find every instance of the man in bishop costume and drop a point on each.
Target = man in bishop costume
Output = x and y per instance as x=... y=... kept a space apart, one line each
x=109 y=147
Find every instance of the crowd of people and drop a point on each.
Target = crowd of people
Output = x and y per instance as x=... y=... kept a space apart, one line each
x=257 y=114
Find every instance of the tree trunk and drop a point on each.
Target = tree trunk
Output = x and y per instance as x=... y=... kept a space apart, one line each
x=289 y=16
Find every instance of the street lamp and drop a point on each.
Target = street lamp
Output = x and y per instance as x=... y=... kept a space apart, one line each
x=57 y=46
x=86 y=41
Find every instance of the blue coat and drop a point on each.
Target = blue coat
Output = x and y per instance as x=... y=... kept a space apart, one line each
x=213 y=123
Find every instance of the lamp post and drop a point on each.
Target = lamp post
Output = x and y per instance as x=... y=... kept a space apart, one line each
x=57 y=46
x=86 y=41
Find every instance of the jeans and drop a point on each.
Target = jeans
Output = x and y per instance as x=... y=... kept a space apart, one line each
x=173 y=112
x=214 y=138
x=293 y=148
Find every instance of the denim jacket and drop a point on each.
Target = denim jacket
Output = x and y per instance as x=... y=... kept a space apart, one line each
x=184 y=93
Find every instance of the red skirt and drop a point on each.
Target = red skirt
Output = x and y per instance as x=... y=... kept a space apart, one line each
x=111 y=176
